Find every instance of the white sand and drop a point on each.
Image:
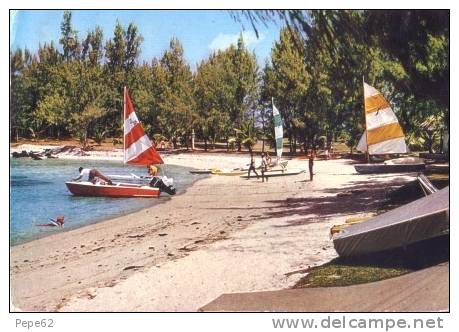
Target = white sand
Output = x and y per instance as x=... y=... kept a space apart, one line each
x=245 y=235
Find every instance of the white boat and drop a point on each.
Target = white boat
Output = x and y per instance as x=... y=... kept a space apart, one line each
x=383 y=135
x=276 y=172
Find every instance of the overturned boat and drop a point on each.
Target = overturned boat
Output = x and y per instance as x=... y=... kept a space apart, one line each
x=422 y=219
x=383 y=135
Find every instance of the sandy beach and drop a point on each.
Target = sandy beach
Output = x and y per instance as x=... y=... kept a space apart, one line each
x=224 y=234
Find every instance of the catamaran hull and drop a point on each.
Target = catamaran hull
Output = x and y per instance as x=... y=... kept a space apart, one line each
x=273 y=173
x=383 y=168
x=115 y=190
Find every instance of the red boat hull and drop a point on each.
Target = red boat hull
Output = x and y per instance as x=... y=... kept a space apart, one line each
x=115 y=190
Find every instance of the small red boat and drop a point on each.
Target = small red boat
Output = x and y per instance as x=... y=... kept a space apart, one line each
x=138 y=150
x=114 y=190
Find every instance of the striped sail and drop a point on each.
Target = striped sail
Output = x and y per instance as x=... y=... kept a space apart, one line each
x=383 y=132
x=138 y=149
x=278 y=131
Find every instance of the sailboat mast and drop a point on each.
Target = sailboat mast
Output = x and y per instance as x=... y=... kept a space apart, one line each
x=124 y=127
x=272 y=106
x=365 y=119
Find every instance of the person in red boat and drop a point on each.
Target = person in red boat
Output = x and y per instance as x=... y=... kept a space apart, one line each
x=152 y=170
x=93 y=174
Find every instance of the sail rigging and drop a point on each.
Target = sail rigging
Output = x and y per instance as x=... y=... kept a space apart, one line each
x=138 y=149
x=383 y=133
x=278 y=130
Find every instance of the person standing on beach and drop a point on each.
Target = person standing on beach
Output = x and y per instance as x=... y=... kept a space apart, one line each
x=311 y=164
x=268 y=159
x=92 y=174
x=264 y=167
x=252 y=167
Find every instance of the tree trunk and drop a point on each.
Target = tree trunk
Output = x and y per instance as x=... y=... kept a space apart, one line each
x=329 y=139
x=294 y=144
x=441 y=141
x=205 y=144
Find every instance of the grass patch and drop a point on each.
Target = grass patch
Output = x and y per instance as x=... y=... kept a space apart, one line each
x=346 y=271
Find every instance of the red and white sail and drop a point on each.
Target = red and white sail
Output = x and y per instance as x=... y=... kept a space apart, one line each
x=138 y=149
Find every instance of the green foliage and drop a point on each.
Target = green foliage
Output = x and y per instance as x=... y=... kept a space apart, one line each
x=247 y=135
x=175 y=102
x=404 y=53
x=158 y=138
x=99 y=134
x=69 y=38
x=314 y=75
x=80 y=123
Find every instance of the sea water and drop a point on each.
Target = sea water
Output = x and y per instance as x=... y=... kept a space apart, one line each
x=38 y=192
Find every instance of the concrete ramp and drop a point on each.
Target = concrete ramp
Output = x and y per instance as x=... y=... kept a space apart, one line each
x=423 y=290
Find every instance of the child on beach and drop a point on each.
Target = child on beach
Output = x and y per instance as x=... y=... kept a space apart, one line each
x=264 y=167
x=268 y=159
x=252 y=167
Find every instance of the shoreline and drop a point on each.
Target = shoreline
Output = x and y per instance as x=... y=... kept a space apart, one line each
x=227 y=234
x=154 y=203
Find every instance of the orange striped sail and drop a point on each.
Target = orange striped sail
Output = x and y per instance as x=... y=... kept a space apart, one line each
x=383 y=132
x=138 y=149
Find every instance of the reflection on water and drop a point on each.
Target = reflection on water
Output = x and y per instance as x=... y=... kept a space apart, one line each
x=38 y=192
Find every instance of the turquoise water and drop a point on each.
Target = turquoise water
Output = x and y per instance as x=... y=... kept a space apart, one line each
x=38 y=192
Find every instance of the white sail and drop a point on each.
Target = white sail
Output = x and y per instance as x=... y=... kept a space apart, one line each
x=383 y=133
x=396 y=145
x=278 y=131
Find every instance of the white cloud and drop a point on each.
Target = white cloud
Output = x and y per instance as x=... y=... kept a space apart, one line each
x=223 y=41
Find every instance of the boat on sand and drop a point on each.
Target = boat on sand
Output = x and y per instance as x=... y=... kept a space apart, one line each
x=383 y=136
x=425 y=218
x=228 y=172
x=201 y=171
x=398 y=165
x=277 y=172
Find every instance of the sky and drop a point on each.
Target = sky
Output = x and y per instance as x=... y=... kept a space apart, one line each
x=200 y=31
